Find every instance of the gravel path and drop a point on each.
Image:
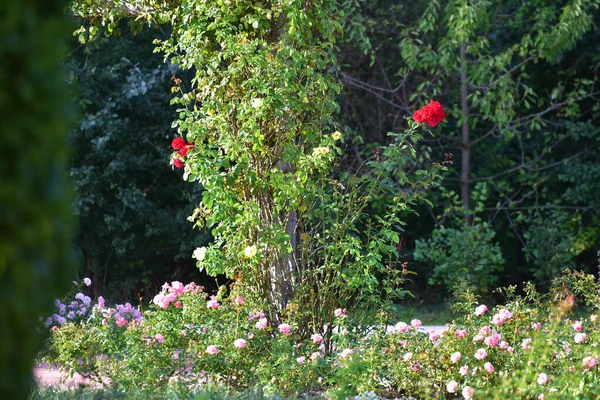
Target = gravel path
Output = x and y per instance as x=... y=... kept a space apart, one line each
x=47 y=376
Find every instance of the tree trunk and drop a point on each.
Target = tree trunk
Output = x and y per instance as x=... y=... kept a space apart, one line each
x=465 y=191
x=282 y=272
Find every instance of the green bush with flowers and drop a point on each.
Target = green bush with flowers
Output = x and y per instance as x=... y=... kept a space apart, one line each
x=534 y=346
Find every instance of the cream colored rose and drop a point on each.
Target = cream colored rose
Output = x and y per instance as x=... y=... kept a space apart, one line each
x=336 y=135
x=250 y=251
x=199 y=253
x=256 y=103
x=320 y=150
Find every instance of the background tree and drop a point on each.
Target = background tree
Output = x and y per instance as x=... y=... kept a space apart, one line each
x=521 y=81
x=132 y=207
x=36 y=226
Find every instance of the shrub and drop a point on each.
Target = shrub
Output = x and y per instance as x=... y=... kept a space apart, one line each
x=35 y=218
x=466 y=253
x=533 y=346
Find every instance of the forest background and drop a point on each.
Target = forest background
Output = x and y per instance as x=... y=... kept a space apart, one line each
x=519 y=201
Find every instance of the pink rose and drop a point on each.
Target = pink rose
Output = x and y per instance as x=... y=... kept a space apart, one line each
x=478 y=338
x=346 y=353
x=212 y=350
x=467 y=392
x=480 y=310
x=455 y=357
x=577 y=325
x=159 y=338
x=301 y=360
x=542 y=378
x=161 y=301
x=402 y=327
x=407 y=356
x=460 y=333
x=489 y=368
x=493 y=340
x=316 y=338
x=464 y=370
x=285 y=328
x=588 y=362
x=481 y=354
x=261 y=324
x=501 y=317
x=580 y=337
x=340 y=313
x=239 y=343
x=416 y=323
x=452 y=386
x=177 y=288
x=212 y=303
x=526 y=344
x=485 y=330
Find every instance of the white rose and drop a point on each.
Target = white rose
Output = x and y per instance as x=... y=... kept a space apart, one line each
x=199 y=253
x=256 y=103
x=250 y=251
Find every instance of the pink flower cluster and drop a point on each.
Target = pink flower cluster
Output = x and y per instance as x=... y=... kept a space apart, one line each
x=589 y=362
x=480 y=310
x=316 y=338
x=74 y=311
x=126 y=314
x=171 y=292
x=501 y=316
x=213 y=303
x=285 y=328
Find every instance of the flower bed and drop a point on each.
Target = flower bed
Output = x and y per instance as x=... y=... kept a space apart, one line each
x=527 y=348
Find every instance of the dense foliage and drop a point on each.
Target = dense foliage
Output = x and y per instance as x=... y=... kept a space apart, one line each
x=522 y=121
x=132 y=207
x=520 y=83
x=36 y=258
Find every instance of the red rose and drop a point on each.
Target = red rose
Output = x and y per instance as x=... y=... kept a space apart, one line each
x=418 y=116
x=433 y=113
x=178 y=163
x=183 y=152
x=177 y=143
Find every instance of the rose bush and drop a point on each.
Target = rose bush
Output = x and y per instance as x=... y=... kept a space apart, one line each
x=531 y=347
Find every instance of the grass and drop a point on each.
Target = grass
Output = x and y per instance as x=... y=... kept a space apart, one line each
x=429 y=314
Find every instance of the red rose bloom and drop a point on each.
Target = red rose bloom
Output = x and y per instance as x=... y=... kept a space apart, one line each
x=178 y=143
x=418 y=116
x=178 y=163
x=433 y=113
x=184 y=150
